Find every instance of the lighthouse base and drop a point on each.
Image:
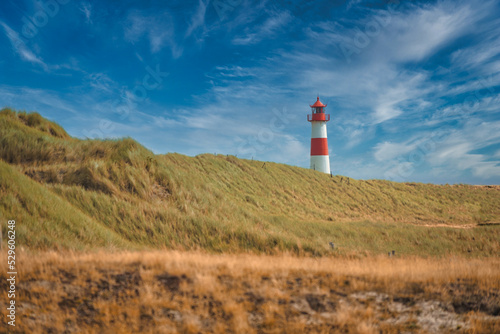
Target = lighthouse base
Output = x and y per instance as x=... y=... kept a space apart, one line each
x=320 y=163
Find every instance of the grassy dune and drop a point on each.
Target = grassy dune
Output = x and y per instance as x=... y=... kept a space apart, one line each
x=76 y=194
x=185 y=292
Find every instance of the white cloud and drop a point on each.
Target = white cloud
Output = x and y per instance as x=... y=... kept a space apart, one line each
x=477 y=86
x=460 y=158
x=102 y=82
x=355 y=136
x=387 y=150
x=163 y=122
x=477 y=55
x=404 y=32
x=21 y=48
x=287 y=149
x=481 y=54
x=405 y=87
x=352 y=3
x=158 y=29
x=86 y=9
x=36 y=100
x=467 y=108
x=270 y=27
x=386 y=110
x=456 y=151
x=418 y=32
x=446 y=154
x=198 y=19
x=235 y=71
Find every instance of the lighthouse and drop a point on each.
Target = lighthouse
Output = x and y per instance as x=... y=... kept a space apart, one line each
x=320 y=160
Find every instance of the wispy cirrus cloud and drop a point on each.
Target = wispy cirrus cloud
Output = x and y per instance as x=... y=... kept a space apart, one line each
x=390 y=96
x=101 y=82
x=388 y=150
x=272 y=25
x=459 y=151
x=157 y=28
x=37 y=99
x=234 y=71
x=86 y=9
x=448 y=154
x=482 y=54
x=20 y=47
x=418 y=32
x=198 y=18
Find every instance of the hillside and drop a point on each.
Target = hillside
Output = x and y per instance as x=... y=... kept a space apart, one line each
x=67 y=193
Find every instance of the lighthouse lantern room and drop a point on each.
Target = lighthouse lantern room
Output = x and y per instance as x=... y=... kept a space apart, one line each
x=320 y=159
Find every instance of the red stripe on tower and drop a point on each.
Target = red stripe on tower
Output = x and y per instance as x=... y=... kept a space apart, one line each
x=319 y=146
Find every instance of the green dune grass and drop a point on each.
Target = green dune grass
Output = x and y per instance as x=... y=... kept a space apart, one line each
x=85 y=194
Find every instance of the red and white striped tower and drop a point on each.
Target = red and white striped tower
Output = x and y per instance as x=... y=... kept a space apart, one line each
x=320 y=160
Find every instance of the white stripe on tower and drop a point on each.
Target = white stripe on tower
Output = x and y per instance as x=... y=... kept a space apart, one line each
x=320 y=159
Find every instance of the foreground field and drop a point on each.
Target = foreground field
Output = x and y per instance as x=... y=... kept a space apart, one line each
x=169 y=292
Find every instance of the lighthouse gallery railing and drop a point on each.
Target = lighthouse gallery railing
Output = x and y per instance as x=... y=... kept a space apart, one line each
x=318 y=117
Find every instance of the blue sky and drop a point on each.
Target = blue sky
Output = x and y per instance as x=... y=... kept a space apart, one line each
x=412 y=86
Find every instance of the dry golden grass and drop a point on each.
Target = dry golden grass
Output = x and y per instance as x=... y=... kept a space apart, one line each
x=184 y=292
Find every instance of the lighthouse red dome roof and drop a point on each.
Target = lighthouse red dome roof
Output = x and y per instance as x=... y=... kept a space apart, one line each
x=317 y=104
